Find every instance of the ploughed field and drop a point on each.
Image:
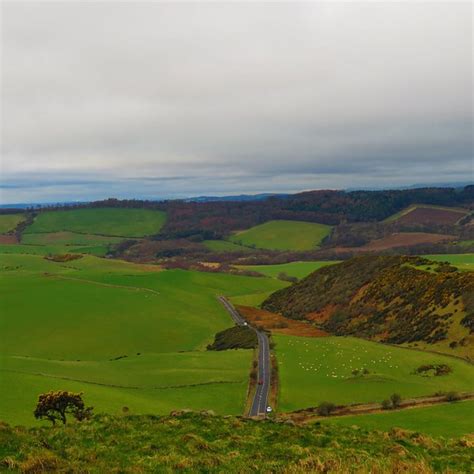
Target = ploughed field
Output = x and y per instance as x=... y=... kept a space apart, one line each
x=425 y=214
x=283 y=235
x=126 y=335
x=313 y=370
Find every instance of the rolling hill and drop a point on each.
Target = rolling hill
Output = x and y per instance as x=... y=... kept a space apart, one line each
x=398 y=300
x=283 y=235
x=100 y=221
x=125 y=334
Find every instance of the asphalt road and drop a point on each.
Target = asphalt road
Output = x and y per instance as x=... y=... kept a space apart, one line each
x=259 y=403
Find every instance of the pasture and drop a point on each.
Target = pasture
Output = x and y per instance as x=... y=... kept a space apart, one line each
x=102 y=221
x=448 y=419
x=294 y=269
x=8 y=222
x=124 y=334
x=463 y=261
x=313 y=370
x=283 y=235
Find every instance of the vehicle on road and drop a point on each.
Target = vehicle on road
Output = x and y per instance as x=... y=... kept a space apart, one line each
x=260 y=382
x=269 y=409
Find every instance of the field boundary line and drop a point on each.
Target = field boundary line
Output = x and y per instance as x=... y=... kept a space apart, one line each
x=110 y=285
x=309 y=415
x=129 y=387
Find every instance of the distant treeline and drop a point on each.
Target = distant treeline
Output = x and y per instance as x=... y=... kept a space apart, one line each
x=212 y=220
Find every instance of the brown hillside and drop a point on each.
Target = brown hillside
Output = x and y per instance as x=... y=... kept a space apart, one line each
x=397 y=300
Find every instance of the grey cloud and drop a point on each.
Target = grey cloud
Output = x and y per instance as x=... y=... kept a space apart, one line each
x=175 y=99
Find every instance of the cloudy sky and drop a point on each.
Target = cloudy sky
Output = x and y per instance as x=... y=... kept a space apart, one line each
x=161 y=100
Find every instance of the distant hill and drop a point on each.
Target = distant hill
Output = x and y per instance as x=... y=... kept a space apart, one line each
x=237 y=198
x=399 y=300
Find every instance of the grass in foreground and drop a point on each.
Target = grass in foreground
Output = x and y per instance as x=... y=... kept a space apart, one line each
x=106 y=221
x=283 y=235
x=313 y=370
x=205 y=443
x=447 y=419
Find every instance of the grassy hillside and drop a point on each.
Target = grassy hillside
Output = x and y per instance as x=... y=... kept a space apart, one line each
x=125 y=334
x=205 y=443
x=283 y=235
x=313 y=370
x=400 y=300
x=8 y=222
x=463 y=261
x=103 y=221
x=454 y=419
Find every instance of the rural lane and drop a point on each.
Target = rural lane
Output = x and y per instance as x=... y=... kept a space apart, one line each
x=259 y=403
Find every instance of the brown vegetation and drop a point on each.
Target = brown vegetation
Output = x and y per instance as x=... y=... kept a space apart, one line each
x=8 y=239
x=276 y=323
x=429 y=215
x=387 y=299
x=67 y=257
x=403 y=239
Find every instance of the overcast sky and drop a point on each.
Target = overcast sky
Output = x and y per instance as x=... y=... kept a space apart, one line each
x=161 y=100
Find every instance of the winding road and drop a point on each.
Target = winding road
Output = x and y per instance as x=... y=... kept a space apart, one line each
x=259 y=403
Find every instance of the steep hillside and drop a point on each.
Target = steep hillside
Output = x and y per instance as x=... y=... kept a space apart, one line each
x=398 y=300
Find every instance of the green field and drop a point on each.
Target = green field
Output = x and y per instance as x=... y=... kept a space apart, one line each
x=463 y=261
x=101 y=221
x=68 y=238
x=224 y=246
x=313 y=370
x=97 y=250
x=283 y=235
x=295 y=269
x=8 y=222
x=450 y=420
x=81 y=317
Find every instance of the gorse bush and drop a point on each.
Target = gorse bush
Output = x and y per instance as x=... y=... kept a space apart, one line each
x=55 y=405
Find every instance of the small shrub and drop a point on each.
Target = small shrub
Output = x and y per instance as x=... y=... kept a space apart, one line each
x=396 y=399
x=452 y=397
x=285 y=277
x=325 y=408
x=386 y=405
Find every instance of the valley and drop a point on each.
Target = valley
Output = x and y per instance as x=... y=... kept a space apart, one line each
x=112 y=303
